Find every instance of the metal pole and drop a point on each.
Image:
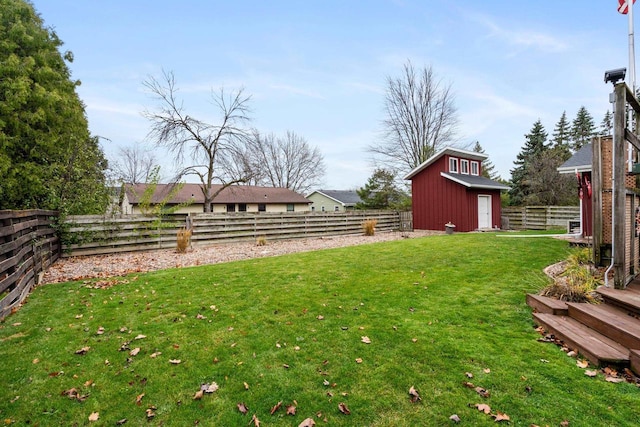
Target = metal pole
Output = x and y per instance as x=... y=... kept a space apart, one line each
x=632 y=59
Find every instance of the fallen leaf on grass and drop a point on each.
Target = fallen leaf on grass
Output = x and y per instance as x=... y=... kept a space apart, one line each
x=73 y=394
x=307 y=422
x=365 y=340
x=358 y=360
x=414 y=395
x=134 y=352
x=154 y=355
x=291 y=409
x=455 y=418
x=276 y=407
x=320 y=317
x=614 y=379
x=590 y=373
x=564 y=423
x=198 y=395
x=255 y=421
x=140 y=337
x=94 y=416
x=483 y=407
x=242 y=408
x=83 y=350
x=468 y=374
x=501 y=417
x=342 y=407
x=200 y=316
x=246 y=386
x=486 y=370
x=100 y=331
x=482 y=392
x=468 y=384
x=139 y=399
x=121 y=422
x=209 y=388
x=175 y=361
x=582 y=363
x=150 y=413
x=35 y=361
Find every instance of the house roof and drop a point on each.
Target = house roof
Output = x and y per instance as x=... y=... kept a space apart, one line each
x=581 y=161
x=346 y=197
x=471 y=155
x=473 y=181
x=232 y=194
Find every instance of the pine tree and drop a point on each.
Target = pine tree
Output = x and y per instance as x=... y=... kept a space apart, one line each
x=48 y=159
x=561 y=137
x=381 y=192
x=534 y=147
x=488 y=168
x=607 y=124
x=582 y=129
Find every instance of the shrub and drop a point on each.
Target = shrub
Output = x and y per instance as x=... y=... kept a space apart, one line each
x=184 y=240
x=369 y=227
x=261 y=241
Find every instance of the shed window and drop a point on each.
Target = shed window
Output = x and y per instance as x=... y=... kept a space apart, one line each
x=231 y=207
x=262 y=207
x=290 y=207
x=453 y=165
x=242 y=207
x=475 y=168
x=464 y=166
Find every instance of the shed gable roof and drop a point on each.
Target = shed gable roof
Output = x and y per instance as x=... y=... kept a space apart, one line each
x=456 y=152
x=231 y=194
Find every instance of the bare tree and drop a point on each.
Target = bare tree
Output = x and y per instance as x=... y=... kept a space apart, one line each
x=134 y=165
x=207 y=145
x=287 y=162
x=421 y=118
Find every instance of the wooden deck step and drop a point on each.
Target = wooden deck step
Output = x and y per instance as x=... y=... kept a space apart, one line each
x=628 y=299
x=591 y=344
x=611 y=321
x=547 y=305
x=634 y=360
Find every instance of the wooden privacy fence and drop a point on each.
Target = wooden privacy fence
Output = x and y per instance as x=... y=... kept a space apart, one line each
x=94 y=235
x=540 y=217
x=28 y=245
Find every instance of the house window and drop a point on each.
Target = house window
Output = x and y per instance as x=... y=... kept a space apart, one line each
x=453 y=165
x=322 y=209
x=313 y=208
x=242 y=207
x=464 y=166
x=290 y=207
x=475 y=168
x=336 y=208
x=231 y=207
x=262 y=207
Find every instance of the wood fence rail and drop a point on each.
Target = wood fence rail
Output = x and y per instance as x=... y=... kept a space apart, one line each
x=540 y=217
x=28 y=245
x=95 y=235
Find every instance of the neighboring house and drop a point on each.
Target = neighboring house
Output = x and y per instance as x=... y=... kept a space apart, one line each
x=580 y=164
x=333 y=200
x=448 y=188
x=235 y=198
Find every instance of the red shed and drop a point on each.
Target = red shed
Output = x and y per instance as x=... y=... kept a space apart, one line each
x=449 y=188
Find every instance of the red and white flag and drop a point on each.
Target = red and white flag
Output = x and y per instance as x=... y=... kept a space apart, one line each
x=623 y=6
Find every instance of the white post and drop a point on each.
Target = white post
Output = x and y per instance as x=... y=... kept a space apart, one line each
x=632 y=59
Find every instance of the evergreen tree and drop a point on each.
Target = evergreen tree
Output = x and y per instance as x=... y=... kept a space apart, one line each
x=48 y=159
x=582 y=129
x=381 y=192
x=606 y=126
x=488 y=168
x=533 y=149
x=561 y=138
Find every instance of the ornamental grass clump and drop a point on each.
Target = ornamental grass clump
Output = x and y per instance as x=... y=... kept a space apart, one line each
x=369 y=227
x=578 y=280
x=183 y=240
x=261 y=241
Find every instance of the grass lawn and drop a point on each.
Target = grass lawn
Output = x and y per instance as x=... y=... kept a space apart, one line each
x=289 y=329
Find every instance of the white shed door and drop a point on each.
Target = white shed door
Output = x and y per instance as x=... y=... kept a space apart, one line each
x=484 y=211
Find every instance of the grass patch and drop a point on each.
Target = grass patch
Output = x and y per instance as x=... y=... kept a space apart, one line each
x=433 y=308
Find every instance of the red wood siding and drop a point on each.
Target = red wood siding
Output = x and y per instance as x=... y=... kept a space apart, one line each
x=437 y=201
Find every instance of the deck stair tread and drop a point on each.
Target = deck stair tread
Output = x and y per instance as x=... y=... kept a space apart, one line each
x=544 y=304
x=596 y=347
x=608 y=320
x=628 y=299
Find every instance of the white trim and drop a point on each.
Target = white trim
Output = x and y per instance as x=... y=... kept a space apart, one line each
x=477 y=165
x=463 y=163
x=453 y=164
x=489 y=210
x=447 y=150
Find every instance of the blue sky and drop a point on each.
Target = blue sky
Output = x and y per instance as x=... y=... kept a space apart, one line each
x=318 y=68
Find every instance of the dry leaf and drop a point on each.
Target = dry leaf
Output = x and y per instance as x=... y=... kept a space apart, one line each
x=200 y=316
x=590 y=373
x=582 y=363
x=414 y=395
x=88 y=383
x=291 y=409
x=455 y=418
x=469 y=374
x=276 y=407
x=35 y=361
x=209 y=388
x=198 y=395
x=139 y=337
x=139 y=399
x=564 y=423
x=154 y=355
x=365 y=340
x=483 y=407
x=100 y=331
x=255 y=421
x=614 y=379
x=501 y=417
x=320 y=317
x=246 y=386
x=175 y=361
x=242 y=408
x=482 y=392
x=468 y=384
x=343 y=408
x=358 y=360
x=94 y=416
x=150 y=413
x=83 y=350
x=134 y=352
x=307 y=422
x=121 y=422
